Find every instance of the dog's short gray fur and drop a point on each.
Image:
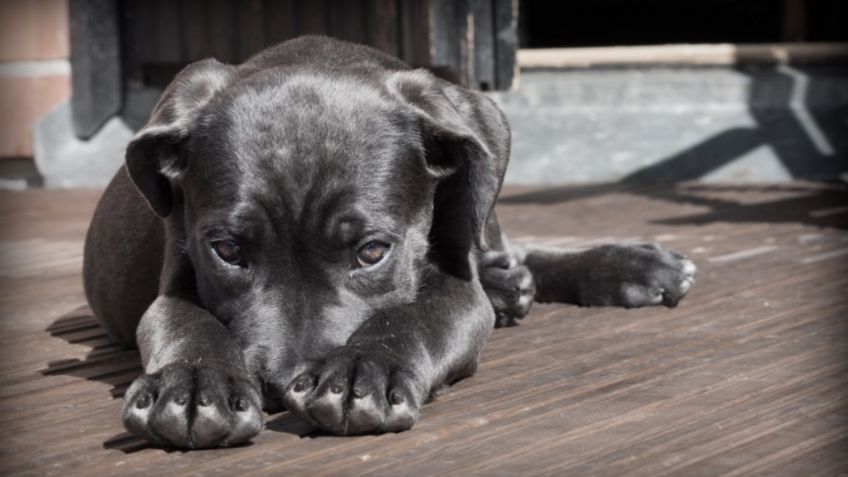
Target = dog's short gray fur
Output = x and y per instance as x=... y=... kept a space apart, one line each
x=302 y=154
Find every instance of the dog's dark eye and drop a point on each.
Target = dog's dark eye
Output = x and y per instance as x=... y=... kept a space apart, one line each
x=228 y=250
x=371 y=253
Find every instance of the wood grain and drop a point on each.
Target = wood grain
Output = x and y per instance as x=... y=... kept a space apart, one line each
x=748 y=376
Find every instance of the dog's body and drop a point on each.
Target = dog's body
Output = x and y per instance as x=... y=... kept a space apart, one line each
x=313 y=230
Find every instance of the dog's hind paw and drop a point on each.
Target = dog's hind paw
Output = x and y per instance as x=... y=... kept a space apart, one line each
x=354 y=392
x=192 y=407
x=509 y=286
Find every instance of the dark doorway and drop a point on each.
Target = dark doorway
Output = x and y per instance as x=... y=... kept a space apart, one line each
x=651 y=22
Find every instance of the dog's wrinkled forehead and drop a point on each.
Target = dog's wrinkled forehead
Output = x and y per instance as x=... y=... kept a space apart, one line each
x=304 y=135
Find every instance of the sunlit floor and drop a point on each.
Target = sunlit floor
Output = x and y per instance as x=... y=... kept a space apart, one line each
x=749 y=375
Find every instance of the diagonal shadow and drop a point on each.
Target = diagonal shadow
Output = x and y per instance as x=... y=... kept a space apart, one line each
x=111 y=363
x=565 y=193
x=107 y=362
x=700 y=159
x=806 y=131
x=824 y=208
x=793 y=115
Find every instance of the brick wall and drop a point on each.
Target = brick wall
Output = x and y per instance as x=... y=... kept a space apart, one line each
x=34 y=68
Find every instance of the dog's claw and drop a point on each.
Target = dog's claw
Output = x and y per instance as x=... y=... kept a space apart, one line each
x=395 y=397
x=142 y=402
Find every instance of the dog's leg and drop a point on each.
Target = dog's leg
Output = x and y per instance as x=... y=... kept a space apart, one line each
x=393 y=363
x=117 y=297
x=610 y=275
x=196 y=391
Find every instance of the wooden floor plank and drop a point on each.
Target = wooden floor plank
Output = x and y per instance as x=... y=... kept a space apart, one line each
x=748 y=376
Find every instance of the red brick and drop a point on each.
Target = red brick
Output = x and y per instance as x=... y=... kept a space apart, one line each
x=22 y=101
x=33 y=29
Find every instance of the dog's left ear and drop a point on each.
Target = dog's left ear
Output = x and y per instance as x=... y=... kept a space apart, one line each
x=453 y=123
x=153 y=159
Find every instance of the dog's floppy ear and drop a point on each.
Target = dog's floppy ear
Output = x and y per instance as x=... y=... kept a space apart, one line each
x=452 y=120
x=153 y=156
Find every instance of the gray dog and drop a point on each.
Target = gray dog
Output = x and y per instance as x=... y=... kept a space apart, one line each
x=312 y=230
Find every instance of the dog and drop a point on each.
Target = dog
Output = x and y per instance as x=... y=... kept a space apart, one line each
x=313 y=230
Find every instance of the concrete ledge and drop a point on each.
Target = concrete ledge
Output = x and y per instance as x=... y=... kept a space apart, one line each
x=648 y=124
x=63 y=160
x=716 y=54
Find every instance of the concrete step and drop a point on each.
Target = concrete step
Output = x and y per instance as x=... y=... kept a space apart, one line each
x=658 y=123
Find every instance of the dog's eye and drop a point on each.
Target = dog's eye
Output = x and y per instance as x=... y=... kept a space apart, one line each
x=228 y=250
x=371 y=253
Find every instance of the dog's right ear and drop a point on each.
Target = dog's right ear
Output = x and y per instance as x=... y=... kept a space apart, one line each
x=451 y=120
x=153 y=157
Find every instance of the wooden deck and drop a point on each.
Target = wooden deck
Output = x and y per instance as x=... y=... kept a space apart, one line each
x=749 y=375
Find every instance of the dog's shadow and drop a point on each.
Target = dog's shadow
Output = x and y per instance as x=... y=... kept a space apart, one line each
x=110 y=363
x=106 y=362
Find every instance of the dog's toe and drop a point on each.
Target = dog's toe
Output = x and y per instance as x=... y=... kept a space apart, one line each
x=688 y=267
x=192 y=407
x=509 y=286
x=354 y=393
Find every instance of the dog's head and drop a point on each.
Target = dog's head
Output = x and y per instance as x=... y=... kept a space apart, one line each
x=305 y=201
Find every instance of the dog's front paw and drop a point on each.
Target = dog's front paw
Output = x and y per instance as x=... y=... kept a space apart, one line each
x=509 y=286
x=636 y=275
x=193 y=407
x=355 y=392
